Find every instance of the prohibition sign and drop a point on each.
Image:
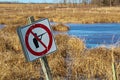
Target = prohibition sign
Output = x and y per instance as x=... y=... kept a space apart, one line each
x=47 y=47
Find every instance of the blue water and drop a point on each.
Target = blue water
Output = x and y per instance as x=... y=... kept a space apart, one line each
x=1 y=26
x=95 y=35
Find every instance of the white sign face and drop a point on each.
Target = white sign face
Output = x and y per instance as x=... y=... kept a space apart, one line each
x=37 y=39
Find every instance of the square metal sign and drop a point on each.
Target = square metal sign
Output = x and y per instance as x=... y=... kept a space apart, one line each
x=37 y=39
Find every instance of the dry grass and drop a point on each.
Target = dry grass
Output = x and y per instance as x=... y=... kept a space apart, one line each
x=75 y=46
x=17 y=14
x=71 y=61
x=60 y=58
x=60 y=27
x=79 y=63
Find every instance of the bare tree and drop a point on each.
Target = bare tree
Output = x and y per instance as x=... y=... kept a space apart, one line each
x=106 y=2
x=64 y=1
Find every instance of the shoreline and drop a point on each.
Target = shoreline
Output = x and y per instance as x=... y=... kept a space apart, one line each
x=79 y=22
x=64 y=22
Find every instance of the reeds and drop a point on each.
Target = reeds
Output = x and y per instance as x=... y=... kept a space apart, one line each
x=17 y=14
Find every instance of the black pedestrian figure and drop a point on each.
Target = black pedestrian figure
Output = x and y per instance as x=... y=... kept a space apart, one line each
x=35 y=40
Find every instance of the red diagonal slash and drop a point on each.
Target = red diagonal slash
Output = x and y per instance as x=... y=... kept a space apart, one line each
x=39 y=40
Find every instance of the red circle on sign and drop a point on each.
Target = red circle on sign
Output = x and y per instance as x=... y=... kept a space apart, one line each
x=47 y=48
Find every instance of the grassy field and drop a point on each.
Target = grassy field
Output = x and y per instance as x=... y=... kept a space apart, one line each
x=72 y=60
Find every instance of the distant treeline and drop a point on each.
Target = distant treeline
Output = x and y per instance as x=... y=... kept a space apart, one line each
x=106 y=2
x=94 y=2
x=77 y=2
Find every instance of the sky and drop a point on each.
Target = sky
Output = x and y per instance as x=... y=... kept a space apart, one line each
x=28 y=1
x=34 y=1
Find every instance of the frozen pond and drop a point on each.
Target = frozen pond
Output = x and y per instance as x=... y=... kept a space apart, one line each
x=95 y=35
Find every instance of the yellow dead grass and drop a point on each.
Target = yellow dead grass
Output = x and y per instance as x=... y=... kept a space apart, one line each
x=75 y=46
x=60 y=27
x=71 y=60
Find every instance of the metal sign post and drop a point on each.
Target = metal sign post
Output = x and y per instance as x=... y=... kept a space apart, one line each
x=43 y=60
